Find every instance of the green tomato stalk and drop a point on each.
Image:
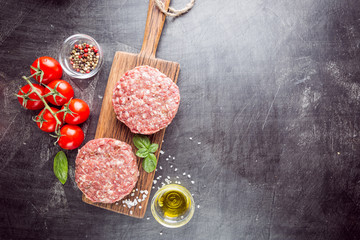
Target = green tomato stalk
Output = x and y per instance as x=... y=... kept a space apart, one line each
x=42 y=98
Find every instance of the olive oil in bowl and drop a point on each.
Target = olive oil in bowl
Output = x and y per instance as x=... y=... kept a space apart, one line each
x=172 y=206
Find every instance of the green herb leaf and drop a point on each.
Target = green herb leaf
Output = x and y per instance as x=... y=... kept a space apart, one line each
x=141 y=141
x=61 y=167
x=142 y=153
x=153 y=147
x=149 y=163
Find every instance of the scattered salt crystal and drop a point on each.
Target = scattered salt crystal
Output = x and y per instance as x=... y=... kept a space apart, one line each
x=133 y=190
x=131 y=212
x=190 y=138
x=124 y=205
x=146 y=192
x=162 y=140
x=140 y=207
x=139 y=200
x=171 y=166
x=137 y=189
x=182 y=217
x=132 y=194
x=162 y=152
x=117 y=203
x=179 y=182
x=168 y=177
x=160 y=167
x=147 y=218
x=155 y=170
x=175 y=169
x=141 y=191
x=199 y=142
x=184 y=173
x=192 y=194
x=155 y=181
x=192 y=182
x=163 y=184
x=153 y=187
x=189 y=176
x=198 y=206
x=177 y=176
x=167 y=159
x=160 y=233
x=123 y=201
x=173 y=157
x=137 y=197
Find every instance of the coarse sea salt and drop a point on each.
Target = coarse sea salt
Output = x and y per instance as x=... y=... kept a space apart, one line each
x=162 y=152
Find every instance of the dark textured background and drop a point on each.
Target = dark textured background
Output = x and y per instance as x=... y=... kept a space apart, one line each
x=270 y=88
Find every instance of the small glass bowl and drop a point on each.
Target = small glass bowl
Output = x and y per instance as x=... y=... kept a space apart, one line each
x=65 y=54
x=174 y=221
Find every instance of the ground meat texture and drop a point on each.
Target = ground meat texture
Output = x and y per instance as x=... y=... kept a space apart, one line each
x=106 y=170
x=145 y=100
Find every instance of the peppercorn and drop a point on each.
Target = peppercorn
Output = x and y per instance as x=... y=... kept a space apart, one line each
x=84 y=57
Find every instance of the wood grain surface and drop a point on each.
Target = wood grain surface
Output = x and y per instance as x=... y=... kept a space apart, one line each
x=108 y=125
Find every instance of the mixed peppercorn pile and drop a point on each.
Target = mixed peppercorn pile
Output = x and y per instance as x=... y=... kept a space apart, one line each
x=84 y=57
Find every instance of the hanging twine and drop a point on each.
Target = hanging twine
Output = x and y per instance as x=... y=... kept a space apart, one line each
x=171 y=12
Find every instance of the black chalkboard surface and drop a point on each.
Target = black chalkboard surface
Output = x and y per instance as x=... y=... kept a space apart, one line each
x=266 y=136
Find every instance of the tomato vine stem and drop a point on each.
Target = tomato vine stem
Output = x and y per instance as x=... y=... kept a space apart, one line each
x=58 y=122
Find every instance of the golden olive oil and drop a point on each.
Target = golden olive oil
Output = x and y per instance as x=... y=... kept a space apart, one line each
x=173 y=204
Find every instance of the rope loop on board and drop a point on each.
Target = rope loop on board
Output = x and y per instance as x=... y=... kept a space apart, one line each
x=171 y=12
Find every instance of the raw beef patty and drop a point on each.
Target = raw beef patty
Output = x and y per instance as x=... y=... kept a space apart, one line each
x=145 y=100
x=106 y=170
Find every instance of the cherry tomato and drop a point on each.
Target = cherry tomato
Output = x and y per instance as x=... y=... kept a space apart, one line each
x=59 y=87
x=48 y=67
x=31 y=100
x=80 y=111
x=71 y=137
x=50 y=124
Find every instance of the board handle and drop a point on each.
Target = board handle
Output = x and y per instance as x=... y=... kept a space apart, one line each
x=153 y=28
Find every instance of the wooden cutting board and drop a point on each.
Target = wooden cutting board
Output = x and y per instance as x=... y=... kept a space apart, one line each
x=109 y=127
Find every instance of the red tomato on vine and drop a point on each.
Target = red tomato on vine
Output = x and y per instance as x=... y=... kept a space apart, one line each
x=76 y=111
x=61 y=91
x=47 y=122
x=71 y=137
x=46 y=69
x=29 y=99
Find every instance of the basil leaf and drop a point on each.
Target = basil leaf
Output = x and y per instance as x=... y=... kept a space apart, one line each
x=149 y=163
x=141 y=141
x=61 y=167
x=153 y=147
x=142 y=153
